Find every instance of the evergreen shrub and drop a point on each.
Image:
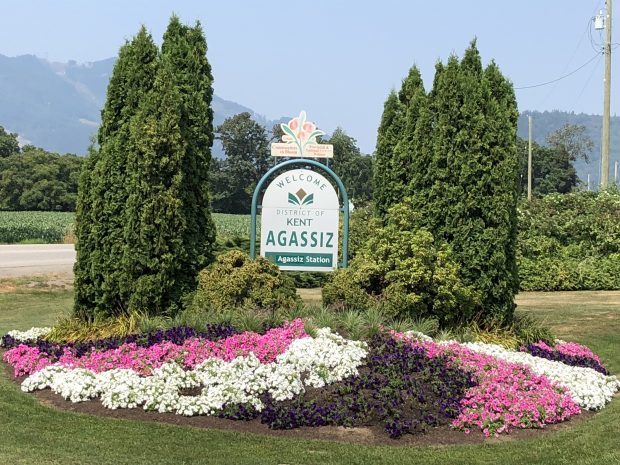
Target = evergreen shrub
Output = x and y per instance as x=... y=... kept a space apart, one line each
x=236 y=283
x=453 y=152
x=403 y=273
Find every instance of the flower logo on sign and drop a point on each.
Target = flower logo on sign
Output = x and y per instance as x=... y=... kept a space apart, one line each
x=300 y=198
x=300 y=132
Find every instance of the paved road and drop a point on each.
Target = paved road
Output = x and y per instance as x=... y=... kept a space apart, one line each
x=25 y=260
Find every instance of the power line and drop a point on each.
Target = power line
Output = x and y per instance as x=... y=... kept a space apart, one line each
x=586 y=32
x=562 y=77
x=596 y=46
x=594 y=68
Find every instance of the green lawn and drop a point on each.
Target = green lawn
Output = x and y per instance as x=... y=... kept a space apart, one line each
x=34 y=434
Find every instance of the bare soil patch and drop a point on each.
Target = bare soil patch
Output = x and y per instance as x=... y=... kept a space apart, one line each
x=43 y=283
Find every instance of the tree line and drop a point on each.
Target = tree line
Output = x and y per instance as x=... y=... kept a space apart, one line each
x=33 y=179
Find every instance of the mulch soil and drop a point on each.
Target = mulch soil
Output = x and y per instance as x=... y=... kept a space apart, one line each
x=373 y=436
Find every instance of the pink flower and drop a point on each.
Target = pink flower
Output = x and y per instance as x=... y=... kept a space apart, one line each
x=507 y=396
x=27 y=360
x=294 y=124
x=309 y=127
x=574 y=349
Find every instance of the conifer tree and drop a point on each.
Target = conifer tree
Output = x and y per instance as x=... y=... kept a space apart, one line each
x=186 y=47
x=502 y=115
x=387 y=138
x=85 y=294
x=144 y=223
x=445 y=106
x=103 y=191
x=409 y=149
x=456 y=160
x=395 y=142
x=471 y=202
x=169 y=231
x=482 y=186
x=154 y=220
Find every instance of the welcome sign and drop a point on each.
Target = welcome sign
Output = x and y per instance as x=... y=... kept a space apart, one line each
x=299 y=222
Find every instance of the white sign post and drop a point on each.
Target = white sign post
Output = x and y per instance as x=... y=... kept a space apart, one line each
x=299 y=222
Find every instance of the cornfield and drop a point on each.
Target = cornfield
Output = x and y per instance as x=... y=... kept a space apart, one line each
x=231 y=226
x=43 y=227
x=57 y=227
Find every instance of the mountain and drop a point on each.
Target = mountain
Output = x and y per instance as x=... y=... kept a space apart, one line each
x=544 y=123
x=57 y=106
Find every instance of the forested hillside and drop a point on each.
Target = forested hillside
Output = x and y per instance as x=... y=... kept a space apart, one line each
x=544 y=123
x=57 y=106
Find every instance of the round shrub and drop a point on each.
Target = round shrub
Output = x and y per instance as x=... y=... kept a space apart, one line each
x=405 y=274
x=236 y=282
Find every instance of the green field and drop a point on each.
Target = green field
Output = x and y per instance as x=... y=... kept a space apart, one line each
x=57 y=227
x=36 y=227
x=33 y=433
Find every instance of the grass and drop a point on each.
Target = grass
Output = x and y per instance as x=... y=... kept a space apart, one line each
x=589 y=317
x=35 y=301
x=32 y=433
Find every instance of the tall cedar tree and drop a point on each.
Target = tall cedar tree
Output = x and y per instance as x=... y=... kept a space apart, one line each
x=154 y=210
x=395 y=144
x=457 y=155
x=169 y=233
x=413 y=98
x=101 y=287
x=501 y=212
x=186 y=47
x=471 y=203
x=388 y=135
x=143 y=218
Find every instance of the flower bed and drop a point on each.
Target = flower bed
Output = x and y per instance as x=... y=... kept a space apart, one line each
x=243 y=380
x=506 y=395
x=404 y=382
x=568 y=353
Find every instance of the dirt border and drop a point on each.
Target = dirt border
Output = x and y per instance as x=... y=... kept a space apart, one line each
x=369 y=436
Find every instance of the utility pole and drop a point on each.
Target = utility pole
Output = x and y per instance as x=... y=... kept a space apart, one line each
x=606 y=99
x=529 y=159
x=616 y=172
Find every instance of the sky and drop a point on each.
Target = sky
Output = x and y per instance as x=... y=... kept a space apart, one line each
x=338 y=60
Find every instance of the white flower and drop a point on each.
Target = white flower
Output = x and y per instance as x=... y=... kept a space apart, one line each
x=307 y=362
x=31 y=335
